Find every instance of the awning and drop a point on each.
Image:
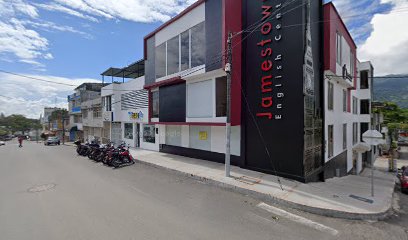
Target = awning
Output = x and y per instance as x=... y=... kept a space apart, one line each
x=171 y=81
x=134 y=70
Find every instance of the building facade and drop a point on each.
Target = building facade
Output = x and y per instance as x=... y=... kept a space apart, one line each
x=83 y=93
x=348 y=94
x=92 y=119
x=125 y=113
x=276 y=104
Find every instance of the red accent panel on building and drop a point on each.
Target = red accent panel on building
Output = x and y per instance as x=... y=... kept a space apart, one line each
x=170 y=22
x=170 y=81
x=189 y=123
x=232 y=22
x=332 y=24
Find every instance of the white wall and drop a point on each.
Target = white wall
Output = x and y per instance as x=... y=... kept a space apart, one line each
x=192 y=18
x=215 y=141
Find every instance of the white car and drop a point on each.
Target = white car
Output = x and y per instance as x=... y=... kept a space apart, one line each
x=2 y=143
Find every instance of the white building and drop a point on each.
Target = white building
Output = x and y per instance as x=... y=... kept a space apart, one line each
x=125 y=113
x=92 y=120
x=348 y=94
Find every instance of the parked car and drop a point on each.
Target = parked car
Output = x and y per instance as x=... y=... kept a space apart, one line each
x=52 y=141
x=403 y=178
x=2 y=143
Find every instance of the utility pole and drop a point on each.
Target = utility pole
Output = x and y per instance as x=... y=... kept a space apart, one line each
x=63 y=130
x=228 y=70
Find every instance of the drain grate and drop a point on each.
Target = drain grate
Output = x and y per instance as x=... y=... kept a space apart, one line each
x=41 y=188
x=361 y=199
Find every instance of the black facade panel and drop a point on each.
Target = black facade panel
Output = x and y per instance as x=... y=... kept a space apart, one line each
x=150 y=74
x=172 y=103
x=339 y=162
x=283 y=138
x=213 y=34
x=199 y=154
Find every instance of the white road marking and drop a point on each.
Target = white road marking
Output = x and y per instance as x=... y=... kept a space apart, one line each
x=298 y=219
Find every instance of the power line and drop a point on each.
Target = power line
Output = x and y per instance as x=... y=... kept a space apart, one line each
x=382 y=77
x=37 y=79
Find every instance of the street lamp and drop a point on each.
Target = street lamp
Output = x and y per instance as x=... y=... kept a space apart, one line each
x=373 y=138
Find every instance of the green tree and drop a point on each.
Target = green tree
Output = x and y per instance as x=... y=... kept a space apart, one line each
x=59 y=114
x=17 y=122
x=395 y=118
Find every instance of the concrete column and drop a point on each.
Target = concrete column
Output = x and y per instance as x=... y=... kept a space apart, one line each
x=359 y=163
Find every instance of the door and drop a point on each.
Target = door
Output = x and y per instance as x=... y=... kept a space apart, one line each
x=116 y=133
x=137 y=135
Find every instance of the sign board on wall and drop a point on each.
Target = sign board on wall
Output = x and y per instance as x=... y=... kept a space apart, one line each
x=136 y=115
x=203 y=135
x=273 y=82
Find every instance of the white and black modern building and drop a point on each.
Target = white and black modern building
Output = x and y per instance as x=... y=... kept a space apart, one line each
x=297 y=105
x=276 y=98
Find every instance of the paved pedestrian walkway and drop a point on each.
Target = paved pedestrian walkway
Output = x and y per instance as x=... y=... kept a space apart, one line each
x=347 y=197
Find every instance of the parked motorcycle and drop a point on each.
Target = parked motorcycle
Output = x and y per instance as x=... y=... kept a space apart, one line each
x=118 y=157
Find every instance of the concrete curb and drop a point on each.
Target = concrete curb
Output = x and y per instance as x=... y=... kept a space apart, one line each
x=273 y=200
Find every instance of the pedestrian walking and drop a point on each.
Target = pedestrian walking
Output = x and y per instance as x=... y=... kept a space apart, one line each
x=20 y=141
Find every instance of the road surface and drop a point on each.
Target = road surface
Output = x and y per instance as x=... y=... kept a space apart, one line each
x=48 y=192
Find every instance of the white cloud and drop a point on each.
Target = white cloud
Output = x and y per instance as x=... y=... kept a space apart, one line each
x=19 y=40
x=24 y=43
x=59 y=8
x=25 y=96
x=387 y=45
x=132 y=10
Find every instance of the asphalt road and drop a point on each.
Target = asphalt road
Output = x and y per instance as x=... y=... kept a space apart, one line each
x=48 y=192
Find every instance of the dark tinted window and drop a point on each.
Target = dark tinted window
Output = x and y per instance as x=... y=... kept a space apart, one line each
x=155 y=104
x=221 y=88
x=198 y=45
x=173 y=55
x=160 y=61
x=365 y=107
x=185 y=50
x=364 y=80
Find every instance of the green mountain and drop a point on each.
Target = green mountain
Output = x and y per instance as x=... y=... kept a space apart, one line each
x=392 y=89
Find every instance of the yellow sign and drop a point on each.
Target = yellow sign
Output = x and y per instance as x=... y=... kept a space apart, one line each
x=203 y=135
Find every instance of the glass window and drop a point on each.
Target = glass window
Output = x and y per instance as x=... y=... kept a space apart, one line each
x=155 y=104
x=344 y=101
x=338 y=48
x=364 y=80
x=331 y=141
x=351 y=63
x=345 y=136
x=354 y=105
x=330 y=96
x=200 y=99
x=85 y=113
x=221 y=101
x=364 y=106
x=173 y=62
x=97 y=112
x=185 y=50
x=198 y=45
x=363 y=129
x=149 y=135
x=128 y=131
x=108 y=103
x=355 y=133
x=161 y=61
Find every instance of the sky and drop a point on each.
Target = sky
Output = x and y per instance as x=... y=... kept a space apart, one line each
x=73 y=41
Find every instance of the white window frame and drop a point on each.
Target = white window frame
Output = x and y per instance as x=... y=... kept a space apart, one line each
x=339 y=49
x=214 y=117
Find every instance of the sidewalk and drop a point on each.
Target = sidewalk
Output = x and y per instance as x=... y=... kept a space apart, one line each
x=331 y=198
x=382 y=163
